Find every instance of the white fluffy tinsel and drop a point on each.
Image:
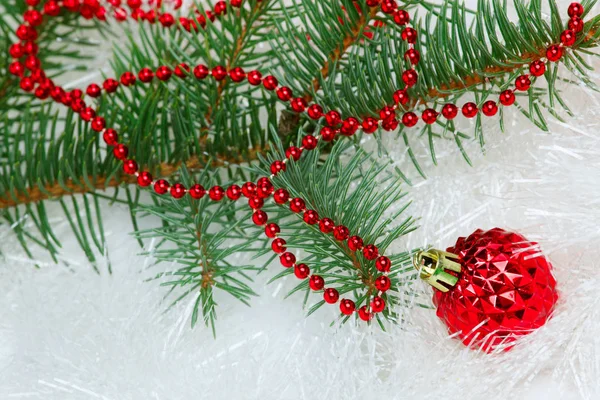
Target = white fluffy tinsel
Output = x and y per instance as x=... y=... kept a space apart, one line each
x=68 y=333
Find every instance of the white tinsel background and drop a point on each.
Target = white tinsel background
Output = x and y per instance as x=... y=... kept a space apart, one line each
x=68 y=333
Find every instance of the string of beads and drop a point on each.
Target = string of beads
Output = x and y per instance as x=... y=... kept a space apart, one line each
x=27 y=66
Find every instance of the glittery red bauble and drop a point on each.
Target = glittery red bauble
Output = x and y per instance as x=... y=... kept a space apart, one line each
x=505 y=290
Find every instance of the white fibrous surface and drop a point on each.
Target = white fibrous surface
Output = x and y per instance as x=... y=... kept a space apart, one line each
x=68 y=333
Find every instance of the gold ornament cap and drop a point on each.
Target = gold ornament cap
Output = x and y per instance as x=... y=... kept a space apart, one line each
x=433 y=266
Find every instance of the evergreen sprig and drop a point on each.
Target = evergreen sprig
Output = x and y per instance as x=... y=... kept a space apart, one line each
x=205 y=129
x=348 y=186
x=202 y=241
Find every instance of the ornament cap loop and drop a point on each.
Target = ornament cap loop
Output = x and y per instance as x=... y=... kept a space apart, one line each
x=433 y=266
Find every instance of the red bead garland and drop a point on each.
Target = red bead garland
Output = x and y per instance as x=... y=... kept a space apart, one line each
x=27 y=49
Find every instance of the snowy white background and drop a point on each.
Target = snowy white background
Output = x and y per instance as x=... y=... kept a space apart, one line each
x=71 y=334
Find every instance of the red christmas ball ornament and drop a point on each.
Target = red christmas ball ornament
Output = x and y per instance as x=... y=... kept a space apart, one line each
x=490 y=288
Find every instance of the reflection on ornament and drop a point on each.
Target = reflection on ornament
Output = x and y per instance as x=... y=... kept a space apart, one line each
x=502 y=289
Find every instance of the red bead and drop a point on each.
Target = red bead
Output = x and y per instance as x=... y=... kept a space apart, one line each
x=87 y=114
x=387 y=112
x=259 y=217
x=410 y=119
x=575 y=10
x=347 y=307
x=93 y=90
x=255 y=202
x=409 y=35
x=494 y=302
x=32 y=63
x=401 y=17
x=489 y=108
x=27 y=84
x=370 y=125
x=254 y=78
x=177 y=191
x=383 y=283
x=201 y=71
x=270 y=82
x=277 y=166
x=401 y=97
x=128 y=78
x=523 y=83
x=364 y=314
x=219 y=72
x=349 y=126
x=568 y=38
x=554 y=53
x=220 y=7
x=163 y=73
x=383 y=264
x=41 y=93
x=430 y=116
x=576 y=24
x=370 y=252
x=146 y=75
x=278 y=245
x=197 y=191
x=287 y=259
x=316 y=282
x=120 y=151
x=389 y=6
x=144 y=179
x=413 y=56
x=331 y=296
x=449 y=111
x=167 y=20
x=297 y=205
x=52 y=8
x=301 y=271
x=98 y=123
x=25 y=32
x=326 y=225
x=110 y=85
x=390 y=124
x=34 y=17
x=293 y=152
x=469 y=110
x=340 y=232
x=355 y=243
x=284 y=93
x=377 y=304
x=281 y=196
x=161 y=186
x=311 y=217
x=327 y=133
x=333 y=118
x=271 y=230
x=30 y=47
x=16 y=68
x=237 y=74
x=78 y=106
x=309 y=142
x=507 y=97
x=110 y=137
x=16 y=51
x=216 y=193
x=249 y=189
x=315 y=111
x=233 y=192
x=410 y=77
x=298 y=104
x=537 y=68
